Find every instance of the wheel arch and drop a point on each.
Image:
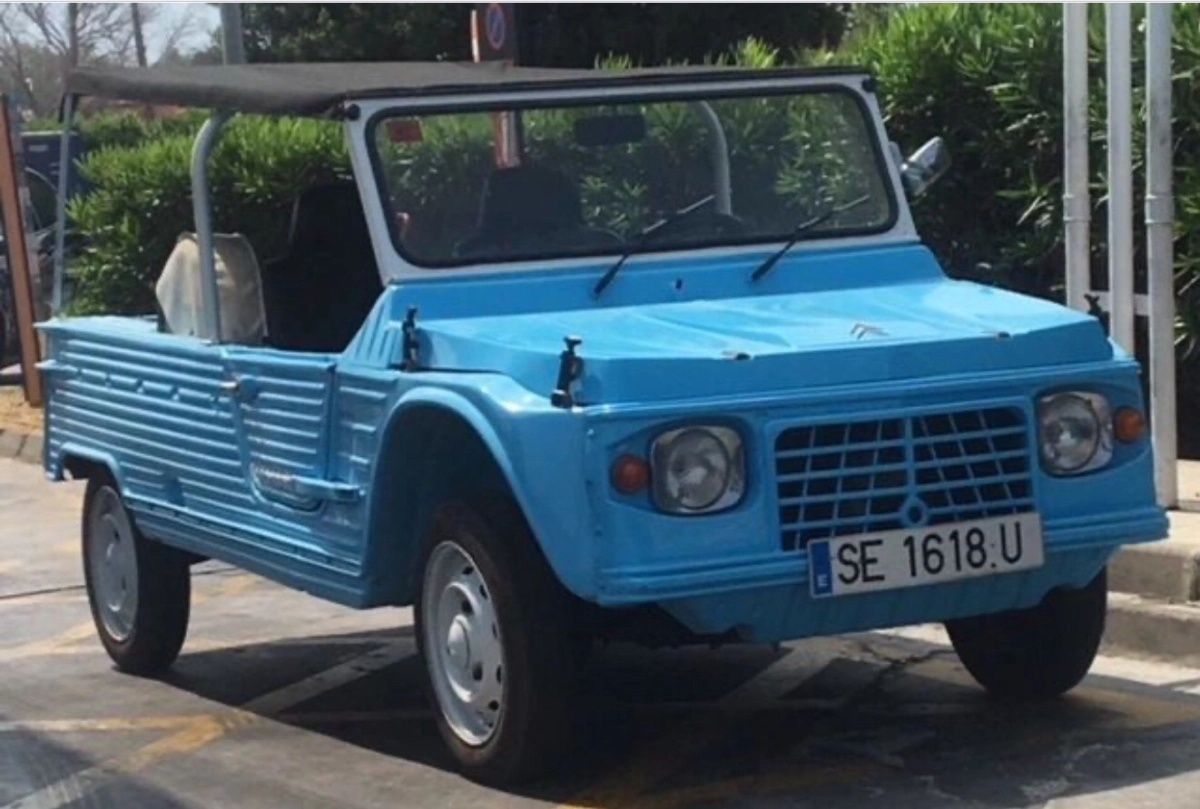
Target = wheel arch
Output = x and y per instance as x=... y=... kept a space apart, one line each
x=436 y=444
x=83 y=463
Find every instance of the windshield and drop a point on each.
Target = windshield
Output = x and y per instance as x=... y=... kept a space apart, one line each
x=546 y=182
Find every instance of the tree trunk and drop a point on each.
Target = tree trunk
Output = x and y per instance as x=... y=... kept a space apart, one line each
x=72 y=35
x=139 y=42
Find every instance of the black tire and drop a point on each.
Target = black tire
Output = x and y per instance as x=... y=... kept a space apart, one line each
x=1038 y=653
x=536 y=620
x=163 y=588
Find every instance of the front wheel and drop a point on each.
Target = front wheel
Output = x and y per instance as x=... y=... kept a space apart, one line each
x=496 y=631
x=1037 y=653
x=139 y=590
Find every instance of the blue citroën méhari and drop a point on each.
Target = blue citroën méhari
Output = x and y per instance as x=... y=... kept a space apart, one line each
x=641 y=353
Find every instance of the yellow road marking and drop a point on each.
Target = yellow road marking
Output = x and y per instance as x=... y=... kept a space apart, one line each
x=51 y=645
x=63 y=642
x=192 y=737
x=689 y=737
x=795 y=778
x=71 y=548
x=353 y=717
x=105 y=724
x=1111 y=708
x=207 y=728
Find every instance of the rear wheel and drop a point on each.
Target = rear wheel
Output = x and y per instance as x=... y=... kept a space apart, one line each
x=1038 y=653
x=496 y=631
x=139 y=590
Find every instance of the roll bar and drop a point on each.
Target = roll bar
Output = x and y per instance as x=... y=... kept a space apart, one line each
x=719 y=149
x=202 y=213
x=60 y=205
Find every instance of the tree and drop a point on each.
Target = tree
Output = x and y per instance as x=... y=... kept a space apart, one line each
x=285 y=32
x=554 y=34
x=578 y=34
x=40 y=42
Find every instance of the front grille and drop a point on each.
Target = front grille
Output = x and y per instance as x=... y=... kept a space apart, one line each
x=886 y=474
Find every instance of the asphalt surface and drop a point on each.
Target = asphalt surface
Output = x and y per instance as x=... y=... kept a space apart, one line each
x=281 y=701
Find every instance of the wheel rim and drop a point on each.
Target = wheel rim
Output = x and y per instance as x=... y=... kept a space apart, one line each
x=112 y=562
x=464 y=647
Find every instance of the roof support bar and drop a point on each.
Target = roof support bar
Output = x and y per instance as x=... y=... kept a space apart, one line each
x=202 y=212
x=60 y=206
x=719 y=151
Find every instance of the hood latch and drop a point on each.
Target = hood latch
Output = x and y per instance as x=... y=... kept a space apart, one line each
x=410 y=347
x=570 y=368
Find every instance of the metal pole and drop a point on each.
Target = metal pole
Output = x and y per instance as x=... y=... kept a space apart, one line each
x=1160 y=260
x=718 y=149
x=1076 y=200
x=202 y=211
x=60 y=206
x=1120 y=178
x=233 y=53
x=232 y=43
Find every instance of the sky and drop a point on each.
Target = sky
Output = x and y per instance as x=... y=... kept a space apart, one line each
x=206 y=17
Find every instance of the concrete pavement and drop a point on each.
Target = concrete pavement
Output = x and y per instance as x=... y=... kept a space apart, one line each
x=281 y=701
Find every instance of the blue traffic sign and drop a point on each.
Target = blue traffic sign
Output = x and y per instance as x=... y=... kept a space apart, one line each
x=495 y=26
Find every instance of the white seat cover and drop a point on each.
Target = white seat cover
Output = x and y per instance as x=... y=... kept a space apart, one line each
x=239 y=287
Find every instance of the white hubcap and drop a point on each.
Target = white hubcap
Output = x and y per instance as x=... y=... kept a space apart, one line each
x=112 y=563
x=463 y=644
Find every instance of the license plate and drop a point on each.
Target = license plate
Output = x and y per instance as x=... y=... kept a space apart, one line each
x=914 y=556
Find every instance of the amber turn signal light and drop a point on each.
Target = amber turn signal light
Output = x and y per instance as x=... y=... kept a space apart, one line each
x=1129 y=425
x=630 y=474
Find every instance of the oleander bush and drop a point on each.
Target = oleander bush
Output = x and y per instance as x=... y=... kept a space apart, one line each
x=986 y=77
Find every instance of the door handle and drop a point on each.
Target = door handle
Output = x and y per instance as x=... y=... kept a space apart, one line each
x=231 y=386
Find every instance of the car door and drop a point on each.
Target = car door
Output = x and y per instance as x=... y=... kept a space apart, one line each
x=283 y=416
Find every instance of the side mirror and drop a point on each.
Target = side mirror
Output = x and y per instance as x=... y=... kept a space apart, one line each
x=924 y=167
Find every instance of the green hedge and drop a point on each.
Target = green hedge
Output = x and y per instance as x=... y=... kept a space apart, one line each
x=987 y=77
x=141 y=200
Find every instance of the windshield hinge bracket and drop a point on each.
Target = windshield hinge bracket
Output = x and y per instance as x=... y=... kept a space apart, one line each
x=410 y=347
x=570 y=368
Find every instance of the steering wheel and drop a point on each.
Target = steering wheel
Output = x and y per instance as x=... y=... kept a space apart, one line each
x=696 y=216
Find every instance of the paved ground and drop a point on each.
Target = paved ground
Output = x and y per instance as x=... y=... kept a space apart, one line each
x=283 y=702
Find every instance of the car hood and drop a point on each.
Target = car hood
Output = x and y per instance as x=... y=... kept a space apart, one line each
x=710 y=347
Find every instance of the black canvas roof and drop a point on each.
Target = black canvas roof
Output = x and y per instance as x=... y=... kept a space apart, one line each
x=320 y=88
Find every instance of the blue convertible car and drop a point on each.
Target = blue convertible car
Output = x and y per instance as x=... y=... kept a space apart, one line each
x=644 y=354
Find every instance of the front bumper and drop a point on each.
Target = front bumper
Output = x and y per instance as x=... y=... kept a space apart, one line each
x=766 y=598
x=639 y=584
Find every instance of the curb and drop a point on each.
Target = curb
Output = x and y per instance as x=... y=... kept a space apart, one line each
x=1145 y=628
x=23 y=447
x=1169 y=571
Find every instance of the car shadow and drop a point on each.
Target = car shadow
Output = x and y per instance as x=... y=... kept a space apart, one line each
x=657 y=728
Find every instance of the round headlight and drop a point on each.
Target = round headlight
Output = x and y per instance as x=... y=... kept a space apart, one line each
x=696 y=469
x=1072 y=432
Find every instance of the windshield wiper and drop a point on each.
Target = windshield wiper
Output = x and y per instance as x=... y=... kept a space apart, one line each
x=800 y=230
x=640 y=242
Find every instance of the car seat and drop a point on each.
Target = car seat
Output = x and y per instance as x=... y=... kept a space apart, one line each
x=530 y=209
x=318 y=294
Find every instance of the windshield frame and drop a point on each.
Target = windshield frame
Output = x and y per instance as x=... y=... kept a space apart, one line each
x=402 y=264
